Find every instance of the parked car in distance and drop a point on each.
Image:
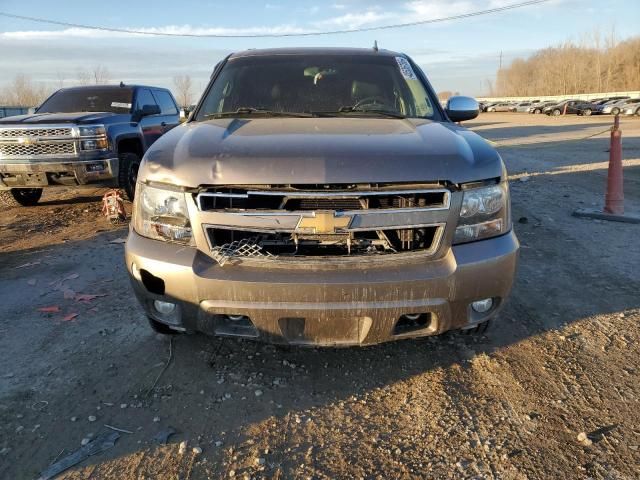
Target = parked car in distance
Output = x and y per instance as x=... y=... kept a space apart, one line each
x=564 y=107
x=521 y=107
x=537 y=108
x=587 y=108
x=322 y=197
x=616 y=107
x=93 y=135
x=500 y=107
x=632 y=109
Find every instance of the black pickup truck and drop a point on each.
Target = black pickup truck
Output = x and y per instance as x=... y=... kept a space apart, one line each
x=94 y=135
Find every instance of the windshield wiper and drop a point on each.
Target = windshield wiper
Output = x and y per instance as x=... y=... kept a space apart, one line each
x=354 y=109
x=256 y=111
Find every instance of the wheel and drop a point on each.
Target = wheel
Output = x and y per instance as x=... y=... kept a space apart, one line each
x=537 y=111
x=17 y=197
x=615 y=111
x=556 y=112
x=586 y=112
x=161 y=328
x=479 y=329
x=638 y=112
x=128 y=173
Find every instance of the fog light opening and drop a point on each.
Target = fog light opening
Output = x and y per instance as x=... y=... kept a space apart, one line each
x=411 y=322
x=165 y=308
x=237 y=318
x=482 y=306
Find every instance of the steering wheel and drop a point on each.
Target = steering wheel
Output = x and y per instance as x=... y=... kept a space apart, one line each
x=372 y=100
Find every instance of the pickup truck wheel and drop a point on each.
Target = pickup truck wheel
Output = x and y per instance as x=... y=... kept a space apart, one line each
x=161 y=327
x=128 y=173
x=479 y=329
x=20 y=197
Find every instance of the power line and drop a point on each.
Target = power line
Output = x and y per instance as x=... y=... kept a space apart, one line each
x=275 y=35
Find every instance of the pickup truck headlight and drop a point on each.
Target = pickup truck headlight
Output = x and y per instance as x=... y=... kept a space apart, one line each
x=93 y=137
x=485 y=213
x=161 y=214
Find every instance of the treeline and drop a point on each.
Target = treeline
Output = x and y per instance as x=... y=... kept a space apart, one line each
x=590 y=66
x=22 y=91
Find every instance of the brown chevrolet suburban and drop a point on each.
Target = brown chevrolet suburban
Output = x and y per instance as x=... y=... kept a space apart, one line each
x=322 y=197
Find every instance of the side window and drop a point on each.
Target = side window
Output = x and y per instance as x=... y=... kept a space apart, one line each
x=167 y=105
x=143 y=98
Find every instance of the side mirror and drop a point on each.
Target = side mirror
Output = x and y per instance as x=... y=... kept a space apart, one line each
x=460 y=108
x=148 y=110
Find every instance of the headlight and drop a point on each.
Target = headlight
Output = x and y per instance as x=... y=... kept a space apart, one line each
x=161 y=214
x=93 y=137
x=92 y=131
x=484 y=213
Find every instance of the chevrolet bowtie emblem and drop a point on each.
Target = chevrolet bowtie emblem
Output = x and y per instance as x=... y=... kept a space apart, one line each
x=27 y=140
x=323 y=222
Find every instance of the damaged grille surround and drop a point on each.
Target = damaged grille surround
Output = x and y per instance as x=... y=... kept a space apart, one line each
x=286 y=223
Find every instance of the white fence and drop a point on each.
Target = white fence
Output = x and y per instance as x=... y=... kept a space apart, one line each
x=576 y=96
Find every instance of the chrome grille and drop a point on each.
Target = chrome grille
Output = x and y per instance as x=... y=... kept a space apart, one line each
x=8 y=133
x=36 y=149
x=363 y=220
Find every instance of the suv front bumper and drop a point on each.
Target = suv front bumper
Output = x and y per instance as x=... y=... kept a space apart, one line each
x=321 y=304
x=63 y=172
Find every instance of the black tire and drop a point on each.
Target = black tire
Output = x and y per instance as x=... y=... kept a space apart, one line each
x=537 y=111
x=161 y=328
x=615 y=111
x=637 y=112
x=20 y=197
x=556 y=112
x=128 y=173
x=586 y=112
x=479 y=329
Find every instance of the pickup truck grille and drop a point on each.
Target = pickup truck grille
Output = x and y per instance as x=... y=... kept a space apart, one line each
x=39 y=142
x=358 y=221
x=35 y=132
x=18 y=150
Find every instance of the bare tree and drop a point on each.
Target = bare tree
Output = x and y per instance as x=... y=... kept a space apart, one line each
x=183 y=87
x=589 y=66
x=23 y=92
x=98 y=75
x=83 y=77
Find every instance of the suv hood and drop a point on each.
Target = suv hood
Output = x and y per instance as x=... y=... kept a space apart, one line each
x=317 y=151
x=38 y=118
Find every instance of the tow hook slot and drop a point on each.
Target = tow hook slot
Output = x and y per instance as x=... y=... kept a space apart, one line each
x=412 y=322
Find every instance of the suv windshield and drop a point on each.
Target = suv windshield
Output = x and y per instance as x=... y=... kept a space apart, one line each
x=324 y=85
x=98 y=99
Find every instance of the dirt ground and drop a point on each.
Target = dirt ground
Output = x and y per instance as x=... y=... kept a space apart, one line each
x=562 y=359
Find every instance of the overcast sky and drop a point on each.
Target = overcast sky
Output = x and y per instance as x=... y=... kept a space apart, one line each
x=459 y=55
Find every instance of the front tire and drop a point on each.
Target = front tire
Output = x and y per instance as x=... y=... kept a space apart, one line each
x=20 y=197
x=586 y=112
x=129 y=163
x=556 y=112
x=537 y=111
x=615 y=111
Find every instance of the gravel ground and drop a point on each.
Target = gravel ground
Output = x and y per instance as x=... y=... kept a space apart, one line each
x=551 y=391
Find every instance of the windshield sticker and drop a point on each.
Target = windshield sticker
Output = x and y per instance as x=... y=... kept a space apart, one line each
x=120 y=105
x=405 y=68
